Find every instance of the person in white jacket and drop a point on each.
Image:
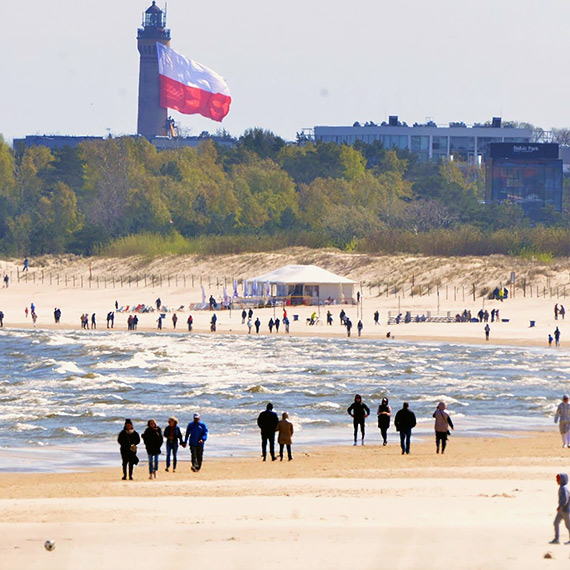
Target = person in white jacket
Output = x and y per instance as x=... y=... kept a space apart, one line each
x=562 y=418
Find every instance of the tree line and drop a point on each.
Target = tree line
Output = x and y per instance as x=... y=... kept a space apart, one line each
x=260 y=194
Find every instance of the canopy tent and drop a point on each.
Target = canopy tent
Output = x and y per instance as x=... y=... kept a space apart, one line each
x=298 y=284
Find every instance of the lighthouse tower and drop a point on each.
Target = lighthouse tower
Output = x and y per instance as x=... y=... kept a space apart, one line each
x=152 y=117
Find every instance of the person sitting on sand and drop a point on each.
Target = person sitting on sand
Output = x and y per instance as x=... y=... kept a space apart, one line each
x=173 y=436
x=563 y=509
x=128 y=440
x=562 y=418
x=285 y=437
x=358 y=411
x=152 y=438
x=442 y=424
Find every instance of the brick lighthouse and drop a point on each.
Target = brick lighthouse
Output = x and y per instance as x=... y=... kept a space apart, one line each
x=152 y=117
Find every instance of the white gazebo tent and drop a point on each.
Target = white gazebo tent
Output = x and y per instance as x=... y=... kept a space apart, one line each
x=301 y=284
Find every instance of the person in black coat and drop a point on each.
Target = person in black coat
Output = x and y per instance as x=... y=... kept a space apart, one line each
x=405 y=421
x=128 y=440
x=173 y=436
x=384 y=415
x=152 y=438
x=267 y=422
x=358 y=411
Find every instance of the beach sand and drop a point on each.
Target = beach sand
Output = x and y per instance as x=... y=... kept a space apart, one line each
x=84 y=285
x=487 y=504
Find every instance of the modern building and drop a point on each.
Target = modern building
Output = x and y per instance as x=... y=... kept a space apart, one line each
x=429 y=141
x=152 y=118
x=528 y=174
x=52 y=142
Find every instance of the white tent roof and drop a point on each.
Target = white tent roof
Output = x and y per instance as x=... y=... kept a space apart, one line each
x=309 y=274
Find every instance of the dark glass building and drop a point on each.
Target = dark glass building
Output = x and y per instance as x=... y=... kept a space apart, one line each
x=528 y=174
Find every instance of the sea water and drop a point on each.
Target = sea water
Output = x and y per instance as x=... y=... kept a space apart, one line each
x=64 y=395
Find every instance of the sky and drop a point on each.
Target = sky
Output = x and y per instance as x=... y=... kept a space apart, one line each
x=70 y=67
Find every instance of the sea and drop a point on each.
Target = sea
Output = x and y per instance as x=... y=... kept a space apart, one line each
x=64 y=395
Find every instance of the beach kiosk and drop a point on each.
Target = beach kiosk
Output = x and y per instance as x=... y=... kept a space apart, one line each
x=301 y=285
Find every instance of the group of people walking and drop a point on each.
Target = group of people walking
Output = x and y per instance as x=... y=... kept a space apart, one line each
x=404 y=422
x=269 y=424
x=153 y=438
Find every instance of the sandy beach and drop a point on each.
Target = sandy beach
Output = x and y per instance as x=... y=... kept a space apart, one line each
x=487 y=503
x=389 y=285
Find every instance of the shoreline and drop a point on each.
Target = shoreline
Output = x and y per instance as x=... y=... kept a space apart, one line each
x=319 y=333
x=486 y=456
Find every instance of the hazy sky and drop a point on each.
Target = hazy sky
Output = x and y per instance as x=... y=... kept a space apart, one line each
x=71 y=66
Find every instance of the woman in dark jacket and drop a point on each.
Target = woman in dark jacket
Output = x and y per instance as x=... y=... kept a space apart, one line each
x=384 y=415
x=173 y=436
x=152 y=438
x=128 y=440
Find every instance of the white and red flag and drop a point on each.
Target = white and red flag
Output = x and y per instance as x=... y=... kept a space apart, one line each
x=189 y=87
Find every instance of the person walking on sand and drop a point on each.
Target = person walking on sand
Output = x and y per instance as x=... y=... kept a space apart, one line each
x=1 y=319
x=190 y=322
x=329 y=318
x=159 y=321
x=348 y=324
x=556 y=312
x=270 y=325
x=562 y=311
x=267 y=423
x=376 y=317
x=197 y=433
x=128 y=440
x=249 y=325
x=384 y=414
x=562 y=418
x=359 y=328
x=26 y=265
x=405 y=422
x=94 y=321
x=173 y=436
x=285 y=437
x=243 y=316
x=358 y=411
x=152 y=438
x=487 y=331
x=557 y=336
x=257 y=324
x=563 y=508
x=213 y=322
x=442 y=424
x=174 y=320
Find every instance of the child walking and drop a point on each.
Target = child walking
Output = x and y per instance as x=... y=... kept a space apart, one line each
x=563 y=509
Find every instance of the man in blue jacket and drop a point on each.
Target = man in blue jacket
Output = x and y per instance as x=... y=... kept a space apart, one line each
x=198 y=434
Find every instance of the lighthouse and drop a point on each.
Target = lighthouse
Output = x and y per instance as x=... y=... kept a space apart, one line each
x=151 y=117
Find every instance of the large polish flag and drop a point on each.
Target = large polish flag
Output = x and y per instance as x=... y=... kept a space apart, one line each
x=189 y=87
